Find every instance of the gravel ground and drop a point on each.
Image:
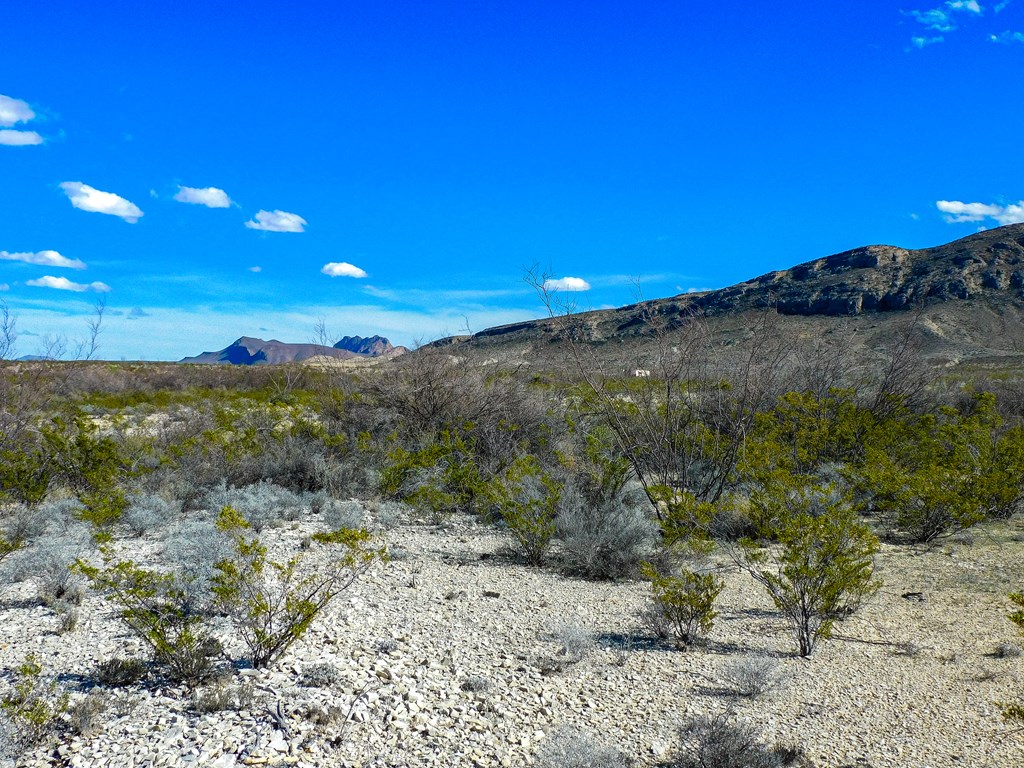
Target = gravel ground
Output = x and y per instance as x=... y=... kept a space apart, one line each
x=446 y=656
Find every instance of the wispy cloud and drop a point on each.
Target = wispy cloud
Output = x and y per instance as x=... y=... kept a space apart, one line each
x=566 y=284
x=342 y=269
x=90 y=199
x=63 y=284
x=957 y=212
x=14 y=111
x=9 y=138
x=4 y=287
x=1000 y=6
x=211 y=197
x=137 y=312
x=1004 y=37
x=277 y=221
x=44 y=258
x=941 y=19
x=256 y=269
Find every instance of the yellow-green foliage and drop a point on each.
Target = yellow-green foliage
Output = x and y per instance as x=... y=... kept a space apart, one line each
x=35 y=704
x=941 y=472
x=273 y=603
x=1015 y=712
x=527 y=499
x=154 y=606
x=821 y=568
x=440 y=479
x=685 y=602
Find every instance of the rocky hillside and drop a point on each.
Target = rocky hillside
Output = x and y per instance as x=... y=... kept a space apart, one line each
x=969 y=293
x=250 y=351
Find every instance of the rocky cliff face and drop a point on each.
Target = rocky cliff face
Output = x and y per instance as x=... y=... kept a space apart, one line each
x=883 y=278
x=374 y=346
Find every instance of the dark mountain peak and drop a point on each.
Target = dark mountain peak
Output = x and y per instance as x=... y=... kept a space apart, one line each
x=374 y=346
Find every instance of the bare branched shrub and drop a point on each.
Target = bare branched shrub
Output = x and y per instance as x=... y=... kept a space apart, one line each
x=752 y=676
x=222 y=695
x=118 y=672
x=574 y=642
x=476 y=684
x=47 y=564
x=85 y=716
x=707 y=741
x=570 y=747
x=604 y=539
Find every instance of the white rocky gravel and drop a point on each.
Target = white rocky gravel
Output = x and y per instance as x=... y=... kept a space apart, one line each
x=906 y=684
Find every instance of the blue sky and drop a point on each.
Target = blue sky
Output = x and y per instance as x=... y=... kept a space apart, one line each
x=213 y=170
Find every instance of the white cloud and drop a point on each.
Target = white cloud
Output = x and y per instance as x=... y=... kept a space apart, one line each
x=87 y=198
x=936 y=19
x=14 y=111
x=957 y=212
x=211 y=197
x=921 y=42
x=964 y=5
x=4 y=287
x=63 y=284
x=1002 y=5
x=9 y=138
x=255 y=269
x=342 y=269
x=277 y=221
x=567 y=284
x=941 y=19
x=1005 y=37
x=44 y=258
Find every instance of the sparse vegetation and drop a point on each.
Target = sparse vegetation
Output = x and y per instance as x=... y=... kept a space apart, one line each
x=682 y=604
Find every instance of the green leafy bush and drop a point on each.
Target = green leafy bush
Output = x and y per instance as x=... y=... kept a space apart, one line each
x=155 y=608
x=272 y=603
x=818 y=572
x=526 y=497
x=35 y=704
x=683 y=604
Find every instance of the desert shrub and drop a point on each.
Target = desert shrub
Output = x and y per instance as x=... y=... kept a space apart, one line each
x=715 y=742
x=344 y=514
x=389 y=514
x=85 y=715
x=821 y=569
x=191 y=550
x=261 y=504
x=35 y=705
x=67 y=616
x=575 y=642
x=752 y=676
x=570 y=747
x=322 y=675
x=272 y=604
x=526 y=497
x=154 y=607
x=438 y=479
x=20 y=525
x=605 y=538
x=222 y=695
x=1015 y=711
x=1008 y=651
x=47 y=564
x=476 y=684
x=118 y=672
x=682 y=605
x=146 y=512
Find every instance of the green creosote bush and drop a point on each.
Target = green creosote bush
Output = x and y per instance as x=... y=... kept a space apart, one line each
x=154 y=607
x=35 y=705
x=526 y=497
x=272 y=604
x=440 y=479
x=118 y=672
x=682 y=607
x=820 y=570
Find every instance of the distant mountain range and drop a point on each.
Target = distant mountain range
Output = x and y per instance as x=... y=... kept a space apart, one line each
x=251 y=351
